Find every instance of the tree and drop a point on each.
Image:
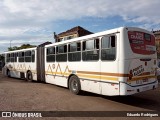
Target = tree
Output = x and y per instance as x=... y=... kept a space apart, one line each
x=1 y=57
x=24 y=46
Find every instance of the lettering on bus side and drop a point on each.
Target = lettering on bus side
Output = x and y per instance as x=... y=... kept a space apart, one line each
x=138 y=70
x=137 y=36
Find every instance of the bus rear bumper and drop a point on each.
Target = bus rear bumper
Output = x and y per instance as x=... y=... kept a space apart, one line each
x=126 y=89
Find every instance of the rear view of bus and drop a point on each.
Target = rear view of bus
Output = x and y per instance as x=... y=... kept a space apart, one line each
x=140 y=61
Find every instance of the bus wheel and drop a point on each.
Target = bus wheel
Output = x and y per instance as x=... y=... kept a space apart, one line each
x=29 y=76
x=74 y=85
x=8 y=73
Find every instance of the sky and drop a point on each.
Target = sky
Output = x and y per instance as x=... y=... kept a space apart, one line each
x=34 y=21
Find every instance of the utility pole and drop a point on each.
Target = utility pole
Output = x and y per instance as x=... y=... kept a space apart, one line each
x=10 y=43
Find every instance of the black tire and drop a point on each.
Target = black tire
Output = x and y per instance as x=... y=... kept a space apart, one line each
x=29 y=76
x=74 y=85
x=8 y=73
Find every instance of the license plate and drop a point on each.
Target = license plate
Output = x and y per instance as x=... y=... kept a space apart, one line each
x=143 y=81
x=139 y=82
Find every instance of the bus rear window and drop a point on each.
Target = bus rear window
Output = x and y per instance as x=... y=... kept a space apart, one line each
x=147 y=37
x=142 y=43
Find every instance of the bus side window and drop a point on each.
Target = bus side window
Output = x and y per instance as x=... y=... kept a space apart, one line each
x=79 y=46
x=33 y=55
x=84 y=45
x=15 y=57
x=96 y=43
x=8 y=57
x=28 y=56
x=105 y=42
x=65 y=48
x=90 y=50
x=21 y=56
x=61 y=49
x=51 y=54
x=56 y=49
x=74 y=51
x=108 y=51
x=12 y=57
x=61 y=55
x=113 y=41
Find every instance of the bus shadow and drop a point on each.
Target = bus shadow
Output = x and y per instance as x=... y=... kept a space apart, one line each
x=137 y=100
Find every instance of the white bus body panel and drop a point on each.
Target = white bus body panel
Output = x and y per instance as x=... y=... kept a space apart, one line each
x=89 y=82
x=129 y=60
x=16 y=68
x=55 y=73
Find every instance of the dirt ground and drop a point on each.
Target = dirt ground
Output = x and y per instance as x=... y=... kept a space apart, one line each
x=19 y=95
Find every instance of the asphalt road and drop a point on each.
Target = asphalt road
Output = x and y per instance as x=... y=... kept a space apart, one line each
x=19 y=95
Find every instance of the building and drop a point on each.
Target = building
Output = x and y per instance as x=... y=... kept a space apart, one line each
x=72 y=33
x=157 y=37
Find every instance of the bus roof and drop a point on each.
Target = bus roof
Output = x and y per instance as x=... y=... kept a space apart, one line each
x=87 y=36
x=20 y=50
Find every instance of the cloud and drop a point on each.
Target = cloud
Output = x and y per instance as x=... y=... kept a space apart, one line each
x=50 y=10
x=30 y=19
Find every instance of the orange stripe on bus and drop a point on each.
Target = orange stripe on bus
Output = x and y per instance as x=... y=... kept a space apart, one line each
x=103 y=73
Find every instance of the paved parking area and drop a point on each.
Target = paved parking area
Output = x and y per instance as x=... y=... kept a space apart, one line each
x=19 y=95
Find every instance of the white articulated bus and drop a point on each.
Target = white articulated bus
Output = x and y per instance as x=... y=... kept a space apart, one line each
x=120 y=61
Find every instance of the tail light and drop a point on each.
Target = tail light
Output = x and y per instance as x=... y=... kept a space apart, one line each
x=130 y=75
x=154 y=62
x=145 y=63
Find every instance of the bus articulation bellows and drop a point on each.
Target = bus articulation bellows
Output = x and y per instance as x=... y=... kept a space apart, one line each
x=120 y=61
